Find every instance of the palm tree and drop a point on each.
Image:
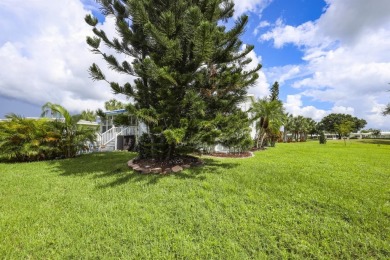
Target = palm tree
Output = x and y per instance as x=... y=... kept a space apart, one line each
x=299 y=128
x=88 y=115
x=268 y=114
x=312 y=127
x=73 y=137
x=288 y=125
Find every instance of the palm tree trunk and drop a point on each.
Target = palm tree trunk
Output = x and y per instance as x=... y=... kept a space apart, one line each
x=262 y=139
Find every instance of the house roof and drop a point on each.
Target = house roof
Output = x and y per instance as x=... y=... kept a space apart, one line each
x=85 y=122
x=115 y=112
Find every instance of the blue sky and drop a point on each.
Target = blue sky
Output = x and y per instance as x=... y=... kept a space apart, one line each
x=330 y=56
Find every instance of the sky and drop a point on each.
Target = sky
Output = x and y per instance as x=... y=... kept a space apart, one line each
x=329 y=56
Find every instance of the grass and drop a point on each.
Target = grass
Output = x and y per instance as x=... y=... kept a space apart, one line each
x=301 y=200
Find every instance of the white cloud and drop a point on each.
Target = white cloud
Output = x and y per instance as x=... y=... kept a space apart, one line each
x=261 y=88
x=45 y=58
x=347 y=57
x=284 y=73
x=348 y=20
x=294 y=106
x=343 y=110
x=242 y=6
x=262 y=24
x=281 y=34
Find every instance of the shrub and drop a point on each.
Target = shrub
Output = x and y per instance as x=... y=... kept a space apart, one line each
x=24 y=139
x=322 y=138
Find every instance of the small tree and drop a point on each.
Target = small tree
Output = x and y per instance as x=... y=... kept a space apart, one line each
x=322 y=138
x=344 y=129
x=267 y=113
x=376 y=132
x=73 y=136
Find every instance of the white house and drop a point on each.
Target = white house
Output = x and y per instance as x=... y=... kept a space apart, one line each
x=114 y=137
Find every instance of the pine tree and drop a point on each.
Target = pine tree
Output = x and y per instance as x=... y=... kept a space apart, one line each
x=274 y=92
x=189 y=68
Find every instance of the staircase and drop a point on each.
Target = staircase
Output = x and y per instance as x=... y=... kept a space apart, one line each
x=108 y=147
x=108 y=140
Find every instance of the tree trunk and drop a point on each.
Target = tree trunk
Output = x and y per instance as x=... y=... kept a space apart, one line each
x=262 y=139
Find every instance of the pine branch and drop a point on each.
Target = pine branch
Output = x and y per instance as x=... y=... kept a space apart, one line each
x=94 y=42
x=95 y=73
x=125 y=90
x=91 y=20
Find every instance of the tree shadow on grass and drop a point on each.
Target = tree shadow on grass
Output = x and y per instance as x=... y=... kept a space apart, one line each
x=195 y=173
x=375 y=141
x=111 y=167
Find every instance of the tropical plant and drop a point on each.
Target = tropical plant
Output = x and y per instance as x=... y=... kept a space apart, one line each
x=88 y=115
x=24 y=139
x=312 y=127
x=74 y=137
x=189 y=67
x=113 y=104
x=300 y=128
x=287 y=126
x=267 y=115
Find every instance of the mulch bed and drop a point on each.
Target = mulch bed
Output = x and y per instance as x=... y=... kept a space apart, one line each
x=174 y=165
x=179 y=160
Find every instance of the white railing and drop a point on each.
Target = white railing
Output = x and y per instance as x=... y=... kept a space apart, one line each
x=108 y=136
x=111 y=134
x=130 y=130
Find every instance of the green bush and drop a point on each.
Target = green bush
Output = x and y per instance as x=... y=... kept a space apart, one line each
x=322 y=138
x=23 y=139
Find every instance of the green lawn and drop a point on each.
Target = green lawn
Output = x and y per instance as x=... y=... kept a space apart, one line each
x=301 y=200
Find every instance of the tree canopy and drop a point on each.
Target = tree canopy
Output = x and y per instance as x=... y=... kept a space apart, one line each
x=269 y=116
x=113 y=104
x=331 y=122
x=88 y=115
x=189 y=68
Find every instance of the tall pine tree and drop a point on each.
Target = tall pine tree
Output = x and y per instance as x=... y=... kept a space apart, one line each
x=189 y=68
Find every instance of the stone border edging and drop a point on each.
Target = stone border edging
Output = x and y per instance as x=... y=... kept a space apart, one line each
x=222 y=157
